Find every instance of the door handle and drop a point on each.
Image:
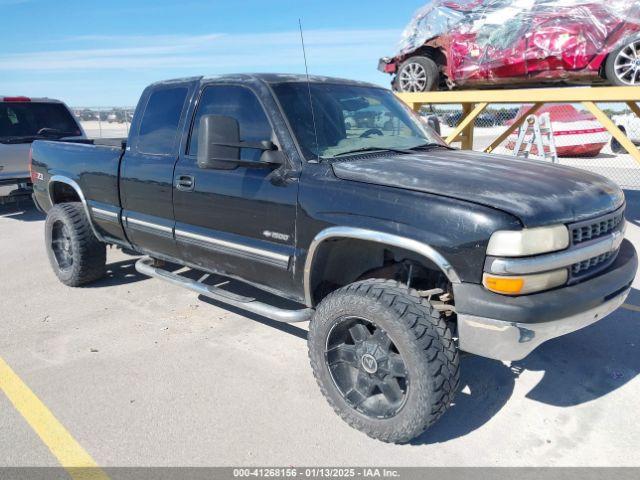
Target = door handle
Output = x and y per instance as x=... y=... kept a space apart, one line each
x=186 y=183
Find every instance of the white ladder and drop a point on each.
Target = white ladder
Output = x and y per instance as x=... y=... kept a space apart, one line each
x=537 y=131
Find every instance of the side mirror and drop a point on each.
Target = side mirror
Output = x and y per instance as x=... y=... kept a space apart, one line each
x=219 y=145
x=215 y=133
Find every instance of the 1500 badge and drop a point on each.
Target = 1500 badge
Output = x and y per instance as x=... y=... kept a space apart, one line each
x=276 y=235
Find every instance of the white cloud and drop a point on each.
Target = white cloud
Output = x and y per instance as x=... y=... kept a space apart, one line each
x=212 y=52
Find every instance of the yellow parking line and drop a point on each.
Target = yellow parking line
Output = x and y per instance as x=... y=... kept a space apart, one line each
x=64 y=447
x=633 y=308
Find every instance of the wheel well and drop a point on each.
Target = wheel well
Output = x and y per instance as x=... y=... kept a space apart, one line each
x=602 y=72
x=433 y=53
x=63 y=193
x=341 y=261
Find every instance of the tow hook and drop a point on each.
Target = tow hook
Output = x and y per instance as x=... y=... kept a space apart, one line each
x=442 y=303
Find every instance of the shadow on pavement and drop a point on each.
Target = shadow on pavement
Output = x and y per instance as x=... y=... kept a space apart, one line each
x=289 y=328
x=602 y=155
x=119 y=273
x=485 y=387
x=124 y=272
x=246 y=290
x=22 y=210
x=578 y=368
x=587 y=364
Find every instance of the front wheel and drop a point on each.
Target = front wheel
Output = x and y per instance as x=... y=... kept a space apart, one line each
x=623 y=65
x=384 y=359
x=75 y=254
x=417 y=74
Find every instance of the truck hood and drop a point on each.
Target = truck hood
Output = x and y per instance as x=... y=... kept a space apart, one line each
x=538 y=193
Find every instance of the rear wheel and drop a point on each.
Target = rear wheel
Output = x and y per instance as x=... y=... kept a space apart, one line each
x=75 y=254
x=383 y=358
x=418 y=74
x=623 y=65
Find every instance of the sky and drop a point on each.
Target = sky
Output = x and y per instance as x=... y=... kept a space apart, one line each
x=91 y=53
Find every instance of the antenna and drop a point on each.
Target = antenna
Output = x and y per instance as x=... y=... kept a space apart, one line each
x=313 y=115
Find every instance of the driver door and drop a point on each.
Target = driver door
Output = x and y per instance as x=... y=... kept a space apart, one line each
x=239 y=222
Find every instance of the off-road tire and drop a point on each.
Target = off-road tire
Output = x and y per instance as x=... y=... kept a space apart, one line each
x=423 y=340
x=431 y=69
x=88 y=253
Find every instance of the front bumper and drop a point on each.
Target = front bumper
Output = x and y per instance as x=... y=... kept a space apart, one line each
x=509 y=328
x=387 y=65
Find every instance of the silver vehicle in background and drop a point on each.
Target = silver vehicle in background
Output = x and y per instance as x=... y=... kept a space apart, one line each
x=23 y=120
x=629 y=123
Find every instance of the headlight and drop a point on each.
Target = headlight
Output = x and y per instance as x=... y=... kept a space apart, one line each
x=524 y=284
x=530 y=241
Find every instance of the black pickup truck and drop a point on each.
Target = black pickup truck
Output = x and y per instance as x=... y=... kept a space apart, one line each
x=340 y=207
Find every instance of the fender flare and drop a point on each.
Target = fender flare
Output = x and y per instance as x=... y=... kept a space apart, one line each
x=73 y=184
x=416 y=246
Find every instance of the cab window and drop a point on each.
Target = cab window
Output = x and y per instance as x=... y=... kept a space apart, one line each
x=239 y=103
x=159 y=127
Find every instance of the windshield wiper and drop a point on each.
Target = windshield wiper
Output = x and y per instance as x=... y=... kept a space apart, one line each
x=47 y=133
x=372 y=149
x=411 y=150
x=430 y=145
x=18 y=139
x=54 y=132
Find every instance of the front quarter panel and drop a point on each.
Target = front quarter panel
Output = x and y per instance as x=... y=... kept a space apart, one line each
x=457 y=230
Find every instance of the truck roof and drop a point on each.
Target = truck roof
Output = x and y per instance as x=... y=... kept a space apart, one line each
x=22 y=98
x=271 y=78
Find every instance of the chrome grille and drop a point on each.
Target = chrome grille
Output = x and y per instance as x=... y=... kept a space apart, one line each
x=590 y=230
x=588 y=266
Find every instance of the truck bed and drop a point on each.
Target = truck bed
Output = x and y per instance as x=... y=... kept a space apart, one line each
x=92 y=164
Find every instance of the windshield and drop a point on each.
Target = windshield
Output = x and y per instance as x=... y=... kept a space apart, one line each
x=34 y=120
x=351 y=119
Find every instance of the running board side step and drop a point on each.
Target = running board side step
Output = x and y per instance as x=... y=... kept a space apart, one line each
x=145 y=266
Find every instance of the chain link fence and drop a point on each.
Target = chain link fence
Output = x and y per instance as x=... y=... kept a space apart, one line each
x=105 y=122
x=580 y=139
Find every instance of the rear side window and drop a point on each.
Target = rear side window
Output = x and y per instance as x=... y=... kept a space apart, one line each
x=159 y=127
x=239 y=103
x=27 y=119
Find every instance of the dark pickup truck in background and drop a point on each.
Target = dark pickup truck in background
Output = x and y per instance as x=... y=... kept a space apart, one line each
x=399 y=250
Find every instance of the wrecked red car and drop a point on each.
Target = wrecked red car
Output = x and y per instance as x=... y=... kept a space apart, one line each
x=475 y=43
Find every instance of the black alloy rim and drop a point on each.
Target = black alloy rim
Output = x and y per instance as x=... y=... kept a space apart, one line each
x=62 y=246
x=367 y=368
